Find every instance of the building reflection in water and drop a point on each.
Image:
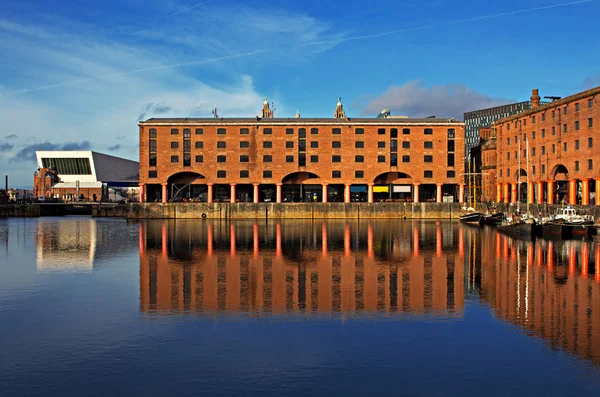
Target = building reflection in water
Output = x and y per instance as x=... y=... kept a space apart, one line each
x=550 y=288
x=69 y=245
x=301 y=267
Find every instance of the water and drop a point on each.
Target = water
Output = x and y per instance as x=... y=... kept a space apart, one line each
x=108 y=307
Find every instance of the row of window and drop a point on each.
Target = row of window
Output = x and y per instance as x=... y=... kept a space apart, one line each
x=565 y=147
x=187 y=132
x=290 y=145
x=590 y=104
x=590 y=167
x=313 y=159
x=565 y=130
x=334 y=174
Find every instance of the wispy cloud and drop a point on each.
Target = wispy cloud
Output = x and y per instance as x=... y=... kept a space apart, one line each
x=114 y=147
x=189 y=9
x=6 y=147
x=11 y=136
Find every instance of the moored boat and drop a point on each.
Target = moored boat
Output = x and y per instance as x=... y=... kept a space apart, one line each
x=567 y=223
x=527 y=227
x=492 y=220
x=471 y=217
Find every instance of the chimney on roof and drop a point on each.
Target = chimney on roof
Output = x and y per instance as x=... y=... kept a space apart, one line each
x=535 y=98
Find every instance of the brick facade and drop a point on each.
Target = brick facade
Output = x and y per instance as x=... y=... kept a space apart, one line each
x=361 y=145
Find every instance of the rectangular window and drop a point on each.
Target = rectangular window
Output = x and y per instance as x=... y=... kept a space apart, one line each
x=314 y=131
x=336 y=144
x=450 y=174
x=525 y=153
x=199 y=159
x=314 y=144
x=577 y=126
x=508 y=156
x=359 y=131
x=533 y=169
x=451 y=133
x=428 y=174
x=289 y=159
x=564 y=128
x=532 y=119
x=244 y=174
x=336 y=159
x=359 y=159
x=590 y=142
x=543 y=116
x=267 y=131
x=221 y=145
x=289 y=145
x=359 y=145
x=428 y=131
x=405 y=131
x=221 y=131
x=565 y=147
x=394 y=159
x=406 y=159
x=381 y=145
x=524 y=122
x=543 y=133
x=451 y=145
x=576 y=165
x=577 y=107
x=553 y=114
x=244 y=144
x=450 y=159
x=152 y=133
x=336 y=174
x=314 y=159
x=577 y=144
x=174 y=145
x=187 y=146
x=187 y=133
x=221 y=159
x=267 y=159
x=267 y=174
x=553 y=148
x=221 y=174
x=381 y=159
x=406 y=145
x=174 y=159
x=394 y=133
x=199 y=131
x=152 y=148
x=590 y=122
x=152 y=174
x=359 y=174
x=533 y=135
x=174 y=131
x=289 y=131
x=336 y=131
x=428 y=145
x=590 y=103
x=244 y=131
x=381 y=131
x=393 y=145
x=244 y=159
x=187 y=160
x=543 y=169
x=152 y=162
x=302 y=145
x=565 y=110
x=543 y=149
x=302 y=160
x=553 y=131
x=199 y=145
x=301 y=132
x=532 y=152
x=508 y=127
x=508 y=141
x=428 y=159
x=267 y=144
x=590 y=164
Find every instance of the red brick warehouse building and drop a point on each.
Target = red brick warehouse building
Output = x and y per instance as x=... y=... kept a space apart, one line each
x=266 y=159
x=557 y=148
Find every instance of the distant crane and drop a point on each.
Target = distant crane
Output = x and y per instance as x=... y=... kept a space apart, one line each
x=214 y=112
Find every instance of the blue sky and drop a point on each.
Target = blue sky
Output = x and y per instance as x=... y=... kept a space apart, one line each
x=81 y=73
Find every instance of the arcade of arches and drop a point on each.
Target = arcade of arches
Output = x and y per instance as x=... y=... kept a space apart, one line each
x=301 y=187
x=560 y=189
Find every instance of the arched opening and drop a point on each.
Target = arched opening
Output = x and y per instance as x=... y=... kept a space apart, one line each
x=301 y=186
x=521 y=176
x=187 y=186
x=560 y=174
x=393 y=186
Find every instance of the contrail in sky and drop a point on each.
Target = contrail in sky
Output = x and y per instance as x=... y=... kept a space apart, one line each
x=188 y=9
x=256 y=52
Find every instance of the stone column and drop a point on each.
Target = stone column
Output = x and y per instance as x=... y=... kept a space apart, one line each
x=416 y=192
x=438 y=196
x=530 y=192
x=346 y=193
x=209 y=195
x=597 y=194
x=232 y=193
x=573 y=191
x=142 y=193
x=585 y=192
x=513 y=193
x=540 y=192
x=370 y=193
x=498 y=192
x=550 y=188
x=165 y=193
x=255 y=193
x=461 y=193
x=505 y=198
x=324 y=192
x=278 y=193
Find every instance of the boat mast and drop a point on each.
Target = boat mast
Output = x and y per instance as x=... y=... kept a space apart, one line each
x=528 y=169
x=519 y=179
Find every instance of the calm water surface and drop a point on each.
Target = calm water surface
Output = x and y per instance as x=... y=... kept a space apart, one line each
x=102 y=307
